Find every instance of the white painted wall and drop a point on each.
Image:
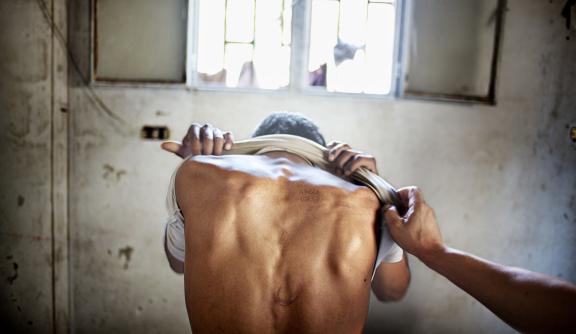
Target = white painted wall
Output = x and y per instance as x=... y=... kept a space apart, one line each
x=502 y=179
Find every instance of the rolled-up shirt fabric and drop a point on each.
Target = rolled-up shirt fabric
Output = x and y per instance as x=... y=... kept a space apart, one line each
x=314 y=154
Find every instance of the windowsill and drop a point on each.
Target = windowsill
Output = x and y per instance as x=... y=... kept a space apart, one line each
x=287 y=91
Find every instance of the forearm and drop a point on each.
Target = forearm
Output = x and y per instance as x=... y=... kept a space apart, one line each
x=527 y=301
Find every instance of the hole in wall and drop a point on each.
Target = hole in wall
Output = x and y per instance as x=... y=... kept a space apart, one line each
x=155 y=132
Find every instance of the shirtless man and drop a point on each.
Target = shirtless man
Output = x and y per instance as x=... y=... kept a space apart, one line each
x=274 y=245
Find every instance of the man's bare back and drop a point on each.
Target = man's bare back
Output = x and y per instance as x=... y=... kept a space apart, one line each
x=275 y=246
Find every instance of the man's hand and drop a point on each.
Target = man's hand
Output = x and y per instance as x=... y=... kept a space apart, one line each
x=417 y=232
x=205 y=140
x=346 y=160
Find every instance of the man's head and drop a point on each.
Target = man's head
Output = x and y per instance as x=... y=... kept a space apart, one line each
x=289 y=124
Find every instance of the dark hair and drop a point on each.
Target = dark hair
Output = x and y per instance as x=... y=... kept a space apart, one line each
x=289 y=124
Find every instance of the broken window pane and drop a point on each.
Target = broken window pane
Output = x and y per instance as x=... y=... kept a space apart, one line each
x=140 y=40
x=352 y=45
x=244 y=43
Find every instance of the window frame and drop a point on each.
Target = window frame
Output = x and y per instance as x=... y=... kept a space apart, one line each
x=117 y=82
x=299 y=57
x=490 y=98
x=192 y=68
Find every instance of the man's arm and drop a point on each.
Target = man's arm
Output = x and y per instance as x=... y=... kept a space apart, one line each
x=391 y=279
x=528 y=301
x=199 y=140
x=176 y=265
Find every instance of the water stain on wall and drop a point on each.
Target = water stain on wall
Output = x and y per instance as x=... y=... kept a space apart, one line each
x=10 y=279
x=160 y=113
x=113 y=174
x=29 y=69
x=20 y=200
x=126 y=252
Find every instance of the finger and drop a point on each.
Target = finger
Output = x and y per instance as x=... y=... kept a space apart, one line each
x=343 y=159
x=228 y=140
x=192 y=131
x=411 y=196
x=404 y=198
x=218 y=141
x=332 y=144
x=207 y=138
x=359 y=161
x=172 y=147
x=416 y=198
x=404 y=194
x=337 y=150
x=194 y=139
x=392 y=218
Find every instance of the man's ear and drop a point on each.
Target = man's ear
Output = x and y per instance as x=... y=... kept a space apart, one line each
x=172 y=147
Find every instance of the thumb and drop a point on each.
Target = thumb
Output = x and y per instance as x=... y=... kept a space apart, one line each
x=391 y=217
x=172 y=147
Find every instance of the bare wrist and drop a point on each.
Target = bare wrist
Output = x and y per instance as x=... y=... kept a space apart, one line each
x=432 y=255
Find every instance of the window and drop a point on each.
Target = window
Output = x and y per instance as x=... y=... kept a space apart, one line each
x=352 y=45
x=244 y=43
x=453 y=49
x=432 y=49
x=140 y=41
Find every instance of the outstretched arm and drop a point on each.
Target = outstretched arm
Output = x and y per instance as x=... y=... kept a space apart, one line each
x=528 y=301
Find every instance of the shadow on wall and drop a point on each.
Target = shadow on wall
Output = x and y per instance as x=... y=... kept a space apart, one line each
x=401 y=322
